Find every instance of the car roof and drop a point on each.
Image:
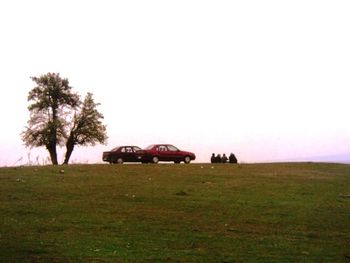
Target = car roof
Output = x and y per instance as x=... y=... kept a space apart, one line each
x=118 y=147
x=159 y=144
x=162 y=144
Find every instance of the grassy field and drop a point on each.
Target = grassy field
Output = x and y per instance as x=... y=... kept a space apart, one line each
x=296 y=212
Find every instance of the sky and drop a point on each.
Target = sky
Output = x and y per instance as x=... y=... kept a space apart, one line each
x=266 y=80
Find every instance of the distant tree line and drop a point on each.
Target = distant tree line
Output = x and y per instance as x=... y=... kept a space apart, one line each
x=58 y=117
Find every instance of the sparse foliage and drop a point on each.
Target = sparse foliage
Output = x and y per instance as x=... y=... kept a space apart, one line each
x=50 y=122
x=87 y=128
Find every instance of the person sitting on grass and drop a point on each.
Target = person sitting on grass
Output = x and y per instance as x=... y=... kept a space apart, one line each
x=224 y=158
x=232 y=158
x=213 y=159
x=218 y=158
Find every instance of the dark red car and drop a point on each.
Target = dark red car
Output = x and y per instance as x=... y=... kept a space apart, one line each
x=122 y=154
x=165 y=152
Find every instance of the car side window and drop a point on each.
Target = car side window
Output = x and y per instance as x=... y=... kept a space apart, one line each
x=128 y=149
x=135 y=149
x=172 y=148
x=123 y=150
x=162 y=148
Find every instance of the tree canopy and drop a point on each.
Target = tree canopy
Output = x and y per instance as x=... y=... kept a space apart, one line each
x=87 y=128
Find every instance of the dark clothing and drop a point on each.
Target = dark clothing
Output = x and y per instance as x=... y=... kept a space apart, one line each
x=224 y=159
x=218 y=158
x=232 y=158
x=212 y=159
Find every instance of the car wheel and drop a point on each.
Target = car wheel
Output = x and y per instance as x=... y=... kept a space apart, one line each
x=187 y=159
x=155 y=159
x=120 y=161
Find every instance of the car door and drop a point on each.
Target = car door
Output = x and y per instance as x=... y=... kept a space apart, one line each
x=128 y=154
x=174 y=153
x=168 y=153
x=137 y=157
x=162 y=153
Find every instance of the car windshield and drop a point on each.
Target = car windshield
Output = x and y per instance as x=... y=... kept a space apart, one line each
x=115 y=149
x=149 y=147
x=137 y=149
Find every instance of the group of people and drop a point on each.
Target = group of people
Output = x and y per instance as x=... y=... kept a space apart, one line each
x=223 y=159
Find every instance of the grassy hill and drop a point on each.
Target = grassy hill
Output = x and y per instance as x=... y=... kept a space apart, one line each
x=295 y=212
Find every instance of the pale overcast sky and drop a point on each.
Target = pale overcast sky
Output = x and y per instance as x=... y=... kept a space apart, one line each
x=267 y=80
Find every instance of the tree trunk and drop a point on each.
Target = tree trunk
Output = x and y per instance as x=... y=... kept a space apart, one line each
x=51 y=147
x=53 y=153
x=70 y=148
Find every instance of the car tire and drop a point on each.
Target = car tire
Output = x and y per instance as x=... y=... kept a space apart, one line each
x=120 y=160
x=187 y=159
x=155 y=159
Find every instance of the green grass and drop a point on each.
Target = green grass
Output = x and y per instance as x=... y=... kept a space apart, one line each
x=296 y=212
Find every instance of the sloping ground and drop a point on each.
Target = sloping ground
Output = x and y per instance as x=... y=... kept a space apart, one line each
x=296 y=212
